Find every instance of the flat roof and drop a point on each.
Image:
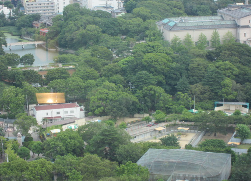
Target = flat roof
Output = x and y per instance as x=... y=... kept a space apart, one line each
x=67 y=121
x=233 y=103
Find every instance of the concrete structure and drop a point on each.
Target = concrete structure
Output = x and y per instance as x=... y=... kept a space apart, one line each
x=61 y=4
x=43 y=7
x=182 y=164
x=235 y=19
x=231 y=107
x=104 y=5
x=57 y=112
x=6 y=11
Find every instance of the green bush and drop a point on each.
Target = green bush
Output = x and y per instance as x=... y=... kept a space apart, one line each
x=147 y=119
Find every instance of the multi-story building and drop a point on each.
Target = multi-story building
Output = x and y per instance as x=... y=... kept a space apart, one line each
x=42 y=7
x=60 y=4
x=235 y=19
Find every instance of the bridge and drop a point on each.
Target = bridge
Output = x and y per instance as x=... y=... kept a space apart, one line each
x=25 y=43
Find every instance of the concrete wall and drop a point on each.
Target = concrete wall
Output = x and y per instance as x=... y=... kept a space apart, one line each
x=169 y=35
x=231 y=108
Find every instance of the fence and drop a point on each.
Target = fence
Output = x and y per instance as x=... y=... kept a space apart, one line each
x=196 y=139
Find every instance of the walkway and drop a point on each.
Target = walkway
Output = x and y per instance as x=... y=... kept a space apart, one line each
x=25 y=43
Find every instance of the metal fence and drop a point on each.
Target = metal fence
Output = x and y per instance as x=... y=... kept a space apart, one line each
x=196 y=139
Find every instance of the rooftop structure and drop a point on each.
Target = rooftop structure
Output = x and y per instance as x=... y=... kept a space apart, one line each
x=181 y=164
x=231 y=107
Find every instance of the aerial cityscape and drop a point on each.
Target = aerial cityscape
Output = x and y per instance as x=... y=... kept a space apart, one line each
x=132 y=90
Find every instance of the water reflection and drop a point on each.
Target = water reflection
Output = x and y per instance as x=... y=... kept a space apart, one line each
x=42 y=57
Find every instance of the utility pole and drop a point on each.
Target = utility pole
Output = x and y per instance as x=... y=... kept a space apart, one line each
x=130 y=84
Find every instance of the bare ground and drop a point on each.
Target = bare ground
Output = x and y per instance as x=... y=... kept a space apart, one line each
x=223 y=137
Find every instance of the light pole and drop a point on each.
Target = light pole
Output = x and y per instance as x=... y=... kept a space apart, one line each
x=130 y=84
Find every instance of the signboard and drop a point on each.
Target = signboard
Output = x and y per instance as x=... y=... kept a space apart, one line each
x=50 y=98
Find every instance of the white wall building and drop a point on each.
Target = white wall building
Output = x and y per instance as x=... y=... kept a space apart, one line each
x=61 y=4
x=235 y=19
x=105 y=5
x=6 y=11
x=43 y=7
x=57 y=112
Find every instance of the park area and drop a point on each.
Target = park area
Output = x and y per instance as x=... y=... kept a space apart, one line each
x=184 y=139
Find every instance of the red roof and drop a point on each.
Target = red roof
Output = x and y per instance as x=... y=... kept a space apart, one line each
x=55 y=106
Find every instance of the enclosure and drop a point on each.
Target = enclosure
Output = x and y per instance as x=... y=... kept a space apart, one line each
x=181 y=164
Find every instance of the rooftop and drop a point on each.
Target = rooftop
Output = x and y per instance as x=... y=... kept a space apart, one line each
x=200 y=22
x=56 y=106
x=236 y=12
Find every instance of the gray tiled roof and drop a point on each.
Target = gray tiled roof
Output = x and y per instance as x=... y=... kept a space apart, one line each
x=201 y=25
x=236 y=13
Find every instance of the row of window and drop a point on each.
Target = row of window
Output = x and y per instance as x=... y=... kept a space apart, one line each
x=65 y=112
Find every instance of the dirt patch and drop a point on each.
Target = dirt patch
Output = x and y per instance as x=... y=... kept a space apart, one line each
x=127 y=120
x=219 y=136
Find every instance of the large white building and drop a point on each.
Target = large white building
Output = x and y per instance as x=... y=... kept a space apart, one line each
x=57 y=112
x=45 y=7
x=235 y=19
x=104 y=5
x=50 y=7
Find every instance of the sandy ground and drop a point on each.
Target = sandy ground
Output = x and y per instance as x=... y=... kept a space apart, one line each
x=223 y=137
x=184 y=139
x=127 y=120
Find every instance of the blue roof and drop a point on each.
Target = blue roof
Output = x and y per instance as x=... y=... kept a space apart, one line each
x=165 y=20
x=171 y=23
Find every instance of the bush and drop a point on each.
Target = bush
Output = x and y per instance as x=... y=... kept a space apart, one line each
x=147 y=119
x=123 y=125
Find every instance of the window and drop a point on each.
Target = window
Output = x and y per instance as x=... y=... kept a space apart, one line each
x=66 y=112
x=207 y=43
x=72 y=111
x=245 y=42
x=245 y=34
x=58 y=112
x=47 y=114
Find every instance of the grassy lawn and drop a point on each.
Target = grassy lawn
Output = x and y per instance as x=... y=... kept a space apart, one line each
x=10 y=29
x=243 y=146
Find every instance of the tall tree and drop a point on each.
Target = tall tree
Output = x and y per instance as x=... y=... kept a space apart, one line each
x=13 y=101
x=170 y=140
x=57 y=73
x=27 y=59
x=214 y=122
x=202 y=42
x=215 y=39
x=106 y=142
x=243 y=131
x=188 y=42
x=24 y=123
x=228 y=38
x=66 y=142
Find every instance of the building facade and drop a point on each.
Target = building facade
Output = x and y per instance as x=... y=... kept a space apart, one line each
x=42 y=7
x=57 y=112
x=235 y=19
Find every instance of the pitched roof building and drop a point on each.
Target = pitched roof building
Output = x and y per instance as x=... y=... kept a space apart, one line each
x=57 y=112
x=235 y=19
